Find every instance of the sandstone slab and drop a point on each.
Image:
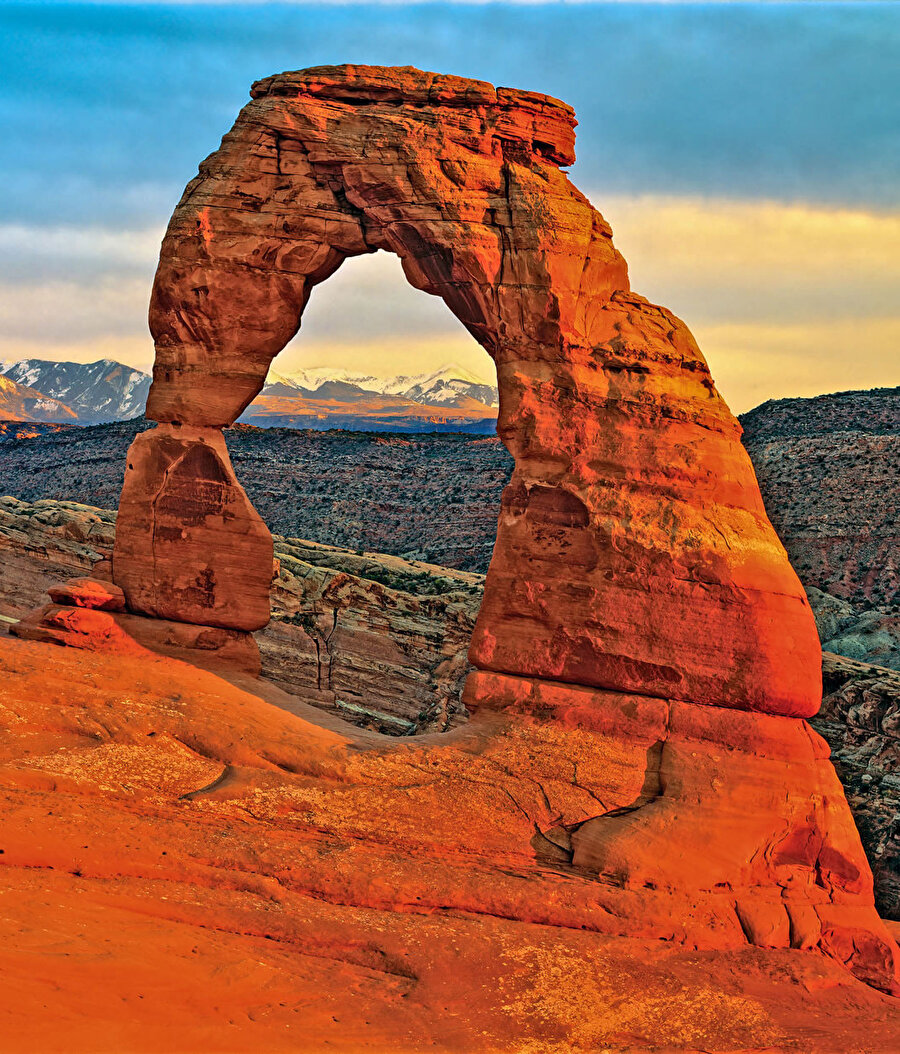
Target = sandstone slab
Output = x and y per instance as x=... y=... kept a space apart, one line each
x=126 y=635
x=215 y=871
x=88 y=593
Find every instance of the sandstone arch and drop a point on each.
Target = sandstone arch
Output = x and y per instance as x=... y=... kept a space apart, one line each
x=633 y=551
x=635 y=573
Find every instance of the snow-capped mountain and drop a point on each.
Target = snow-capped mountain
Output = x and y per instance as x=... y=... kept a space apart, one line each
x=97 y=392
x=448 y=399
x=18 y=402
x=448 y=386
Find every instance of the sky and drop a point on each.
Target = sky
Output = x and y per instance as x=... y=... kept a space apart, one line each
x=746 y=155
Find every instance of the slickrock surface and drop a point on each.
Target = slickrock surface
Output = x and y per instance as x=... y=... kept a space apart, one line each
x=214 y=872
x=374 y=638
x=392 y=637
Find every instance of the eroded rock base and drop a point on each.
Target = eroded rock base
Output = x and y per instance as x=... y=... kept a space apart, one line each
x=743 y=812
x=709 y=827
x=75 y=624
x=214 y=870
x=189 y=545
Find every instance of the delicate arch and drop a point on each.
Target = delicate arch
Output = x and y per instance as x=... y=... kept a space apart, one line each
x=633 y=550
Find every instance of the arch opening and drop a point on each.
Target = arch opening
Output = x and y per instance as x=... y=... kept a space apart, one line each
x=379 y=640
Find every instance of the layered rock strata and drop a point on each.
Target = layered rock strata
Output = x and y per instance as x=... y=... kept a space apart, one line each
x=379 y=640
x=636 y=580
x=392 y=637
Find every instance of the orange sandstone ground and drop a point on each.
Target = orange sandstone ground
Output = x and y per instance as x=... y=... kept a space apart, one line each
x=198 y=864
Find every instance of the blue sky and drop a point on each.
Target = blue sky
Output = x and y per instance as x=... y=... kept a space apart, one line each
x=704 y=129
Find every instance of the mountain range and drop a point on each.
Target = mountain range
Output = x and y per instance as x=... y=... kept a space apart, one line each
x=90 y=393
x=450 y=399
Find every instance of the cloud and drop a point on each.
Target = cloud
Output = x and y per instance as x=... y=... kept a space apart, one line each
x=108 y=109
x=75 y=255
x=752 y=362
x=720 y=259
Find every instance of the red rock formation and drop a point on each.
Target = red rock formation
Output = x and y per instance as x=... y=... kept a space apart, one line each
x=88 y=593
x=633 y=551
x=189 y=545
x=635 y=573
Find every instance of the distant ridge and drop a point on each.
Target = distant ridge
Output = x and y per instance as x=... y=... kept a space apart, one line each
x=872 y=410
x=450 y=399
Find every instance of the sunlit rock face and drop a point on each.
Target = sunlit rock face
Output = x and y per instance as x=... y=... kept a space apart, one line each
x=635 y=573
x=633 y=550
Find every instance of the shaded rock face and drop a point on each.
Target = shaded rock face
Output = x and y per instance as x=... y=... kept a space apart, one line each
x=235 y=873
x=44 y=542
x=633 y=552
x=860 y=718
x=375 y=639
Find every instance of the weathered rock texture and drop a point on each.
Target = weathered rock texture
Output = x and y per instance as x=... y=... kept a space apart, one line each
x=828 y=469
x=376 y=639
x=860 y=718
x=189 y=545
x=44 y=542
x=195 y=865
x=392 y=637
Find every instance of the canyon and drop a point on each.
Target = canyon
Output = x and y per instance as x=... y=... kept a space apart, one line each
x=381 y=643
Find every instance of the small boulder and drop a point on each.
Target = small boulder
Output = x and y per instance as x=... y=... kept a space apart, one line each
x=88 y=593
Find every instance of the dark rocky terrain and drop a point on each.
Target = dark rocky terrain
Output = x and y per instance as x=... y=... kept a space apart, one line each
x=860 y=719
x=828 y=468
x=429 y=497
x=12 y=430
